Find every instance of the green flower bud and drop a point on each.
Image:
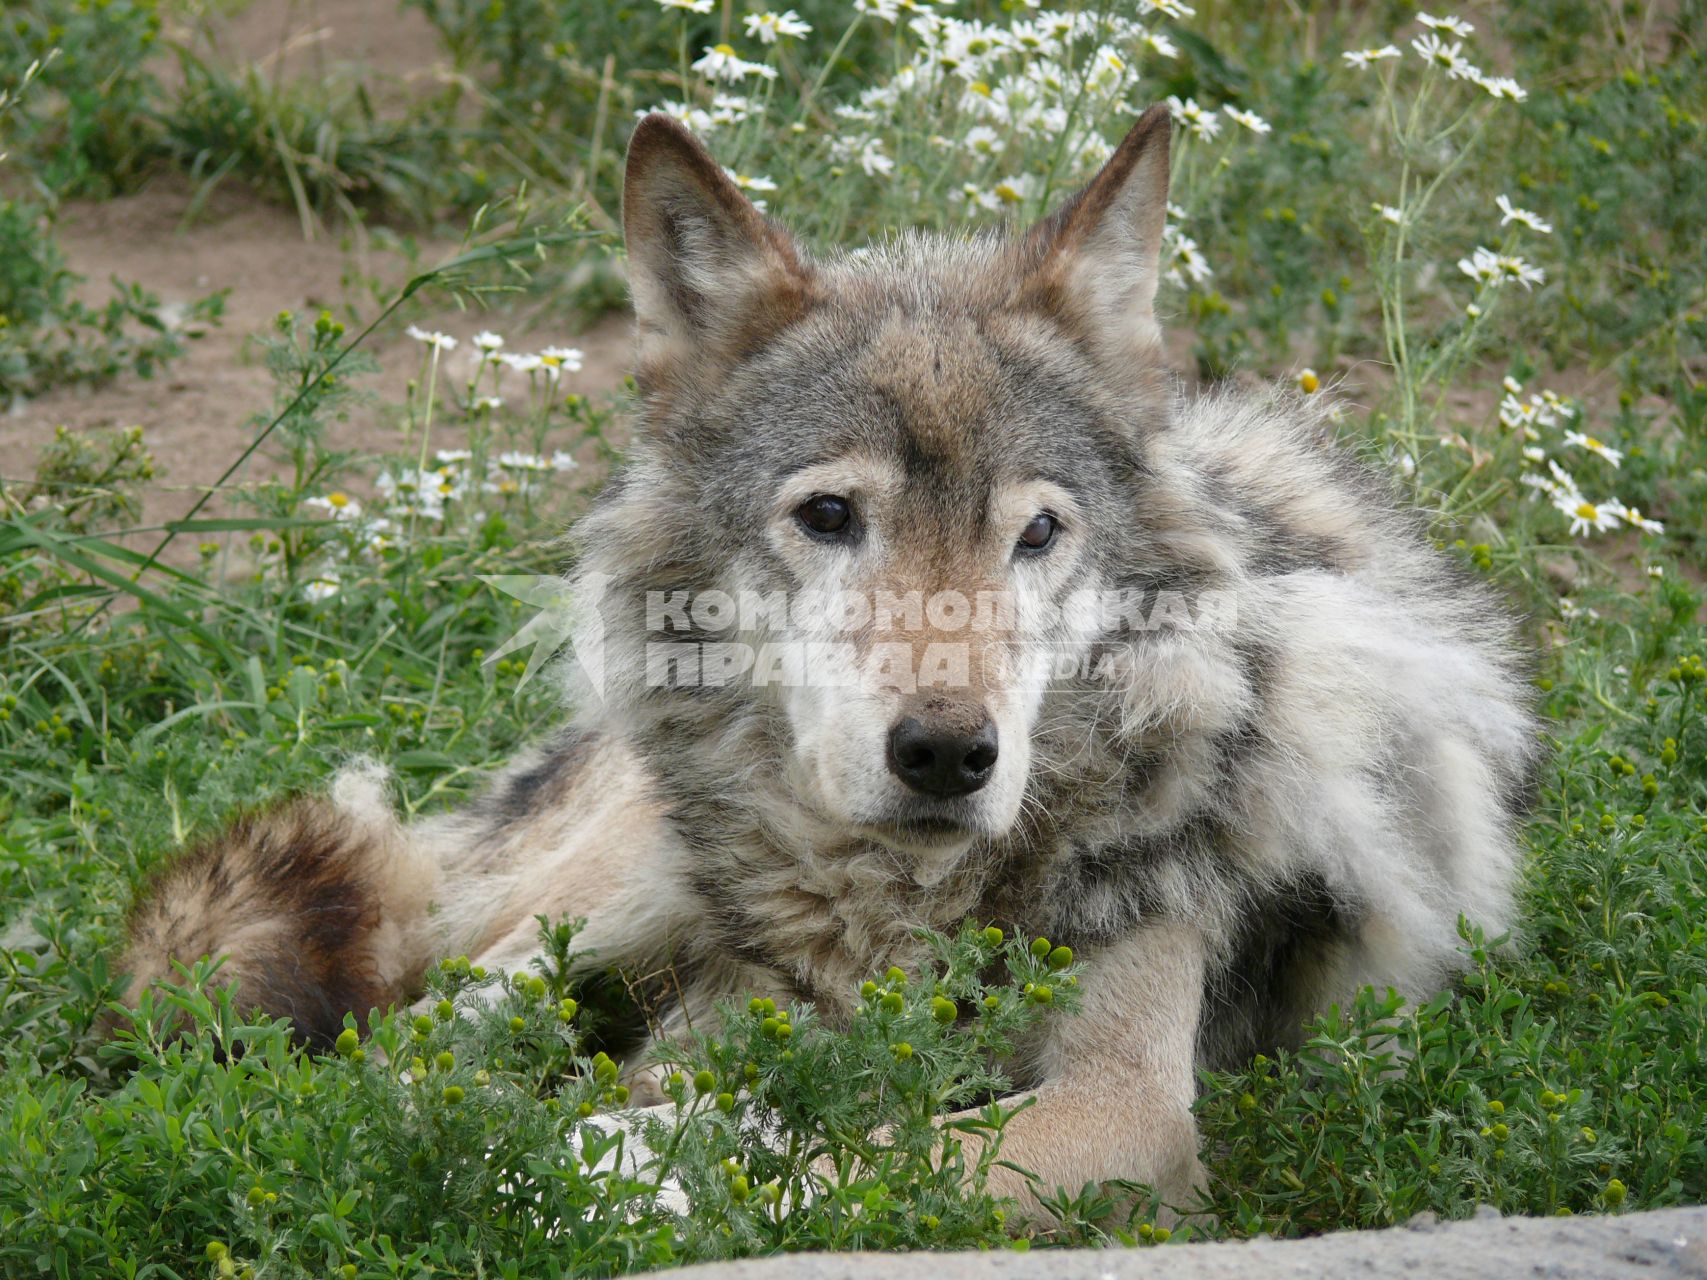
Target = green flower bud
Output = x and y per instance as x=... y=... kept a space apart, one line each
x=1040 y=947
x=452 y=1094
x=892 y=1003
x=1614 y=1193
x=517 y=1024
x=347 y=1041
x=446 y=1010
x=993 y=936
x=902 y=1051
x=704 y=1082
x=1041 y=994
x=1061 y=957
x=725 y=1102
x=944 y=1010
x=739 y=1187
x=895 y=976
x=423 y=1025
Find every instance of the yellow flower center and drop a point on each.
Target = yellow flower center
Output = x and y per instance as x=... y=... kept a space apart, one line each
x=339 y=500
x=1592 y=443
x=980 y=88
x=1587 y=511
x=728 y=51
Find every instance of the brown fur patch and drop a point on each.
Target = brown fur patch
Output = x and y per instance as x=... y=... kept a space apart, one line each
x=293 y=896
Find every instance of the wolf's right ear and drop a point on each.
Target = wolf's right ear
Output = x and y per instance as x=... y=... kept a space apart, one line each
x=711 y=277
x=1096 y=260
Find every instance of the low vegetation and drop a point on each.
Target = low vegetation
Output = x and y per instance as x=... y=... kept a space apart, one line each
x=1485 y=244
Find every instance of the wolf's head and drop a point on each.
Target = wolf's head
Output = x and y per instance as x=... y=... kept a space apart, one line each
x=871 y=492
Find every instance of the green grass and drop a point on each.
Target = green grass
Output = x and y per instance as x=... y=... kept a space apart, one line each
x=142 y=702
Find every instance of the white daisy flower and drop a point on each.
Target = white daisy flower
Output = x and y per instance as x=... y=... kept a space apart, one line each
x=321 y=588
x=1250 y=119
x=748 y=182
x=1586 y=517
x=1198 y=122
x=1488 y=267
x=561 y=359
x=1160 y=44
x=766 y=27
x=440 y=341
x=888 y=10
x=1534 y=453
x=1511 y=213
x=1504 y=87
x=872 y=159
x=1656 y=571
x=1514 y=413
x=1481 y=266
x=561 y=461
x=450 y=457
x=520 y=362
x=1451 y=25
x=1188 y=260
x=1388 y=213
x=688 y=6
x=695 y=118
x=489 y=403
x=1014 y=190
x=340 y=506
x=487 y=341
x=1437 y=53
x=721 y=62
x=982 y=140
x=516 y=461
x=1513 y=267
x=1581 y=441
x=1511 y=384
x=1362 y=59
x=1636 y=520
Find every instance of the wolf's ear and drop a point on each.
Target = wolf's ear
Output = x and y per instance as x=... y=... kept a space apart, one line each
x=1096 y=259
x=711 y=277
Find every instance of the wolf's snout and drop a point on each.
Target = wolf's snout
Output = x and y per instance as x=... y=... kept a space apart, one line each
x=943 y=755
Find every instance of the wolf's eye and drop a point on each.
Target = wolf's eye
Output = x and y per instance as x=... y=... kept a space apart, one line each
x=1039 y=533
x=825 y=514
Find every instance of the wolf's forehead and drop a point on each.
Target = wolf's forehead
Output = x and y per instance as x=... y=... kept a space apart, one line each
x=939 y=375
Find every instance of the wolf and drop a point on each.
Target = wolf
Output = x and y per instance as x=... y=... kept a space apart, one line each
x=1235 y=814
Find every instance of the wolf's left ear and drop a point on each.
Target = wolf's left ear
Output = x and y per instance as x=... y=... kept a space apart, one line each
x=712 y=278
x=1095 y=261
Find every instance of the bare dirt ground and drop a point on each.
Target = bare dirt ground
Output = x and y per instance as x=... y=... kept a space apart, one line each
x=195 y=415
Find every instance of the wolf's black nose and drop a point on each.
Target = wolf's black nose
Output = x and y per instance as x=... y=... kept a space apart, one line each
x=936 y=758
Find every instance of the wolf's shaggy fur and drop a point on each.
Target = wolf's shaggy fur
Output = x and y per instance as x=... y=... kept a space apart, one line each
x=1249 y=822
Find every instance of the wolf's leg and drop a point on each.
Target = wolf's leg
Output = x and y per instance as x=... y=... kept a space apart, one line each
x=1119 y=1077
